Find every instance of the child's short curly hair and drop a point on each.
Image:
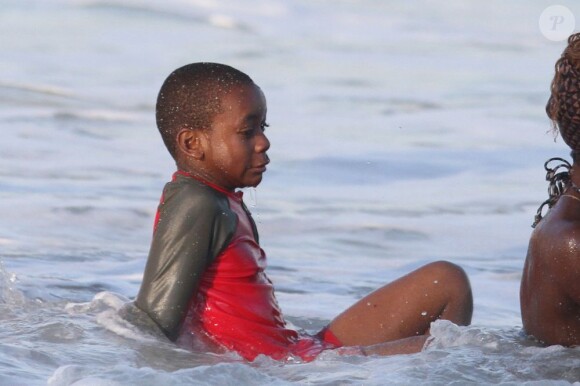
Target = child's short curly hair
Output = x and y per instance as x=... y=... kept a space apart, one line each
x=191 y=96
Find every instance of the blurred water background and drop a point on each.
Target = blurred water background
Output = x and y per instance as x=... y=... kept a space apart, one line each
x=402 y=132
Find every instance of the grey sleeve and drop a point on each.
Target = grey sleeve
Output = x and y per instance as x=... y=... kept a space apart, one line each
x=194 y=226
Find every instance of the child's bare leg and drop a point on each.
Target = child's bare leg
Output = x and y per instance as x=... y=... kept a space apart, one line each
x=405 y=308
x=408 y=345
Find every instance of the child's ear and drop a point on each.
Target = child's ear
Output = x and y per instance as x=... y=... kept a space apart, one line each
x=189 y=143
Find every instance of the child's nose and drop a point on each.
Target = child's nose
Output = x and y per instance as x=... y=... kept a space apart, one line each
x=263 y=143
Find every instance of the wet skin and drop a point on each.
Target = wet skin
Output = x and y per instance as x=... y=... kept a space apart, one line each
x=396 y=318
x=232 y=152
x=550 y=289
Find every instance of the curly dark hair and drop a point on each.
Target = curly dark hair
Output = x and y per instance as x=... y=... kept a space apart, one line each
x=563 y=107
x=191 y=96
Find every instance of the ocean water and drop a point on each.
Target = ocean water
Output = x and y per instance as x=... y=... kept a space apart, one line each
x=402 y=132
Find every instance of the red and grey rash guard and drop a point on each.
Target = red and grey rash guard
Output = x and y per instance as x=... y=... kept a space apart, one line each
x=205 y=263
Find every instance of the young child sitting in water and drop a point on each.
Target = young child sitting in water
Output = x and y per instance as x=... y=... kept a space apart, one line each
x=205 y=274
x=550 y=288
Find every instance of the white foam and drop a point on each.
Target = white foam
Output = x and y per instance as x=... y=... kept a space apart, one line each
x=111 y=320
x=102 y=301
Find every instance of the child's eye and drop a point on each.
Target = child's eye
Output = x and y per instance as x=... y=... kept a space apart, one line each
x=251 y=131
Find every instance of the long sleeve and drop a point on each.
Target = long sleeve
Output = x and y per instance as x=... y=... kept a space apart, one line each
x=195 y=224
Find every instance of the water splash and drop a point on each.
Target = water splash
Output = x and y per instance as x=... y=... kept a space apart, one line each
x=9 y=294
x=252 y=197
x=445 y=334
x=117 y=314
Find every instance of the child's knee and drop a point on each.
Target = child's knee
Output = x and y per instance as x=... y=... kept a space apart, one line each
x=450 y=274
x=457 y=290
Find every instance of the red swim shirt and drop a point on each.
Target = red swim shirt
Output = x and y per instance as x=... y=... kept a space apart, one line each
x=206 y=267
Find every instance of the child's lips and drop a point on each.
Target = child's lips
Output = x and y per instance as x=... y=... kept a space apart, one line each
x=261 y=167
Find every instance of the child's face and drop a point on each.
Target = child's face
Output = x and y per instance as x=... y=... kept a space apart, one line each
x=235 y=154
